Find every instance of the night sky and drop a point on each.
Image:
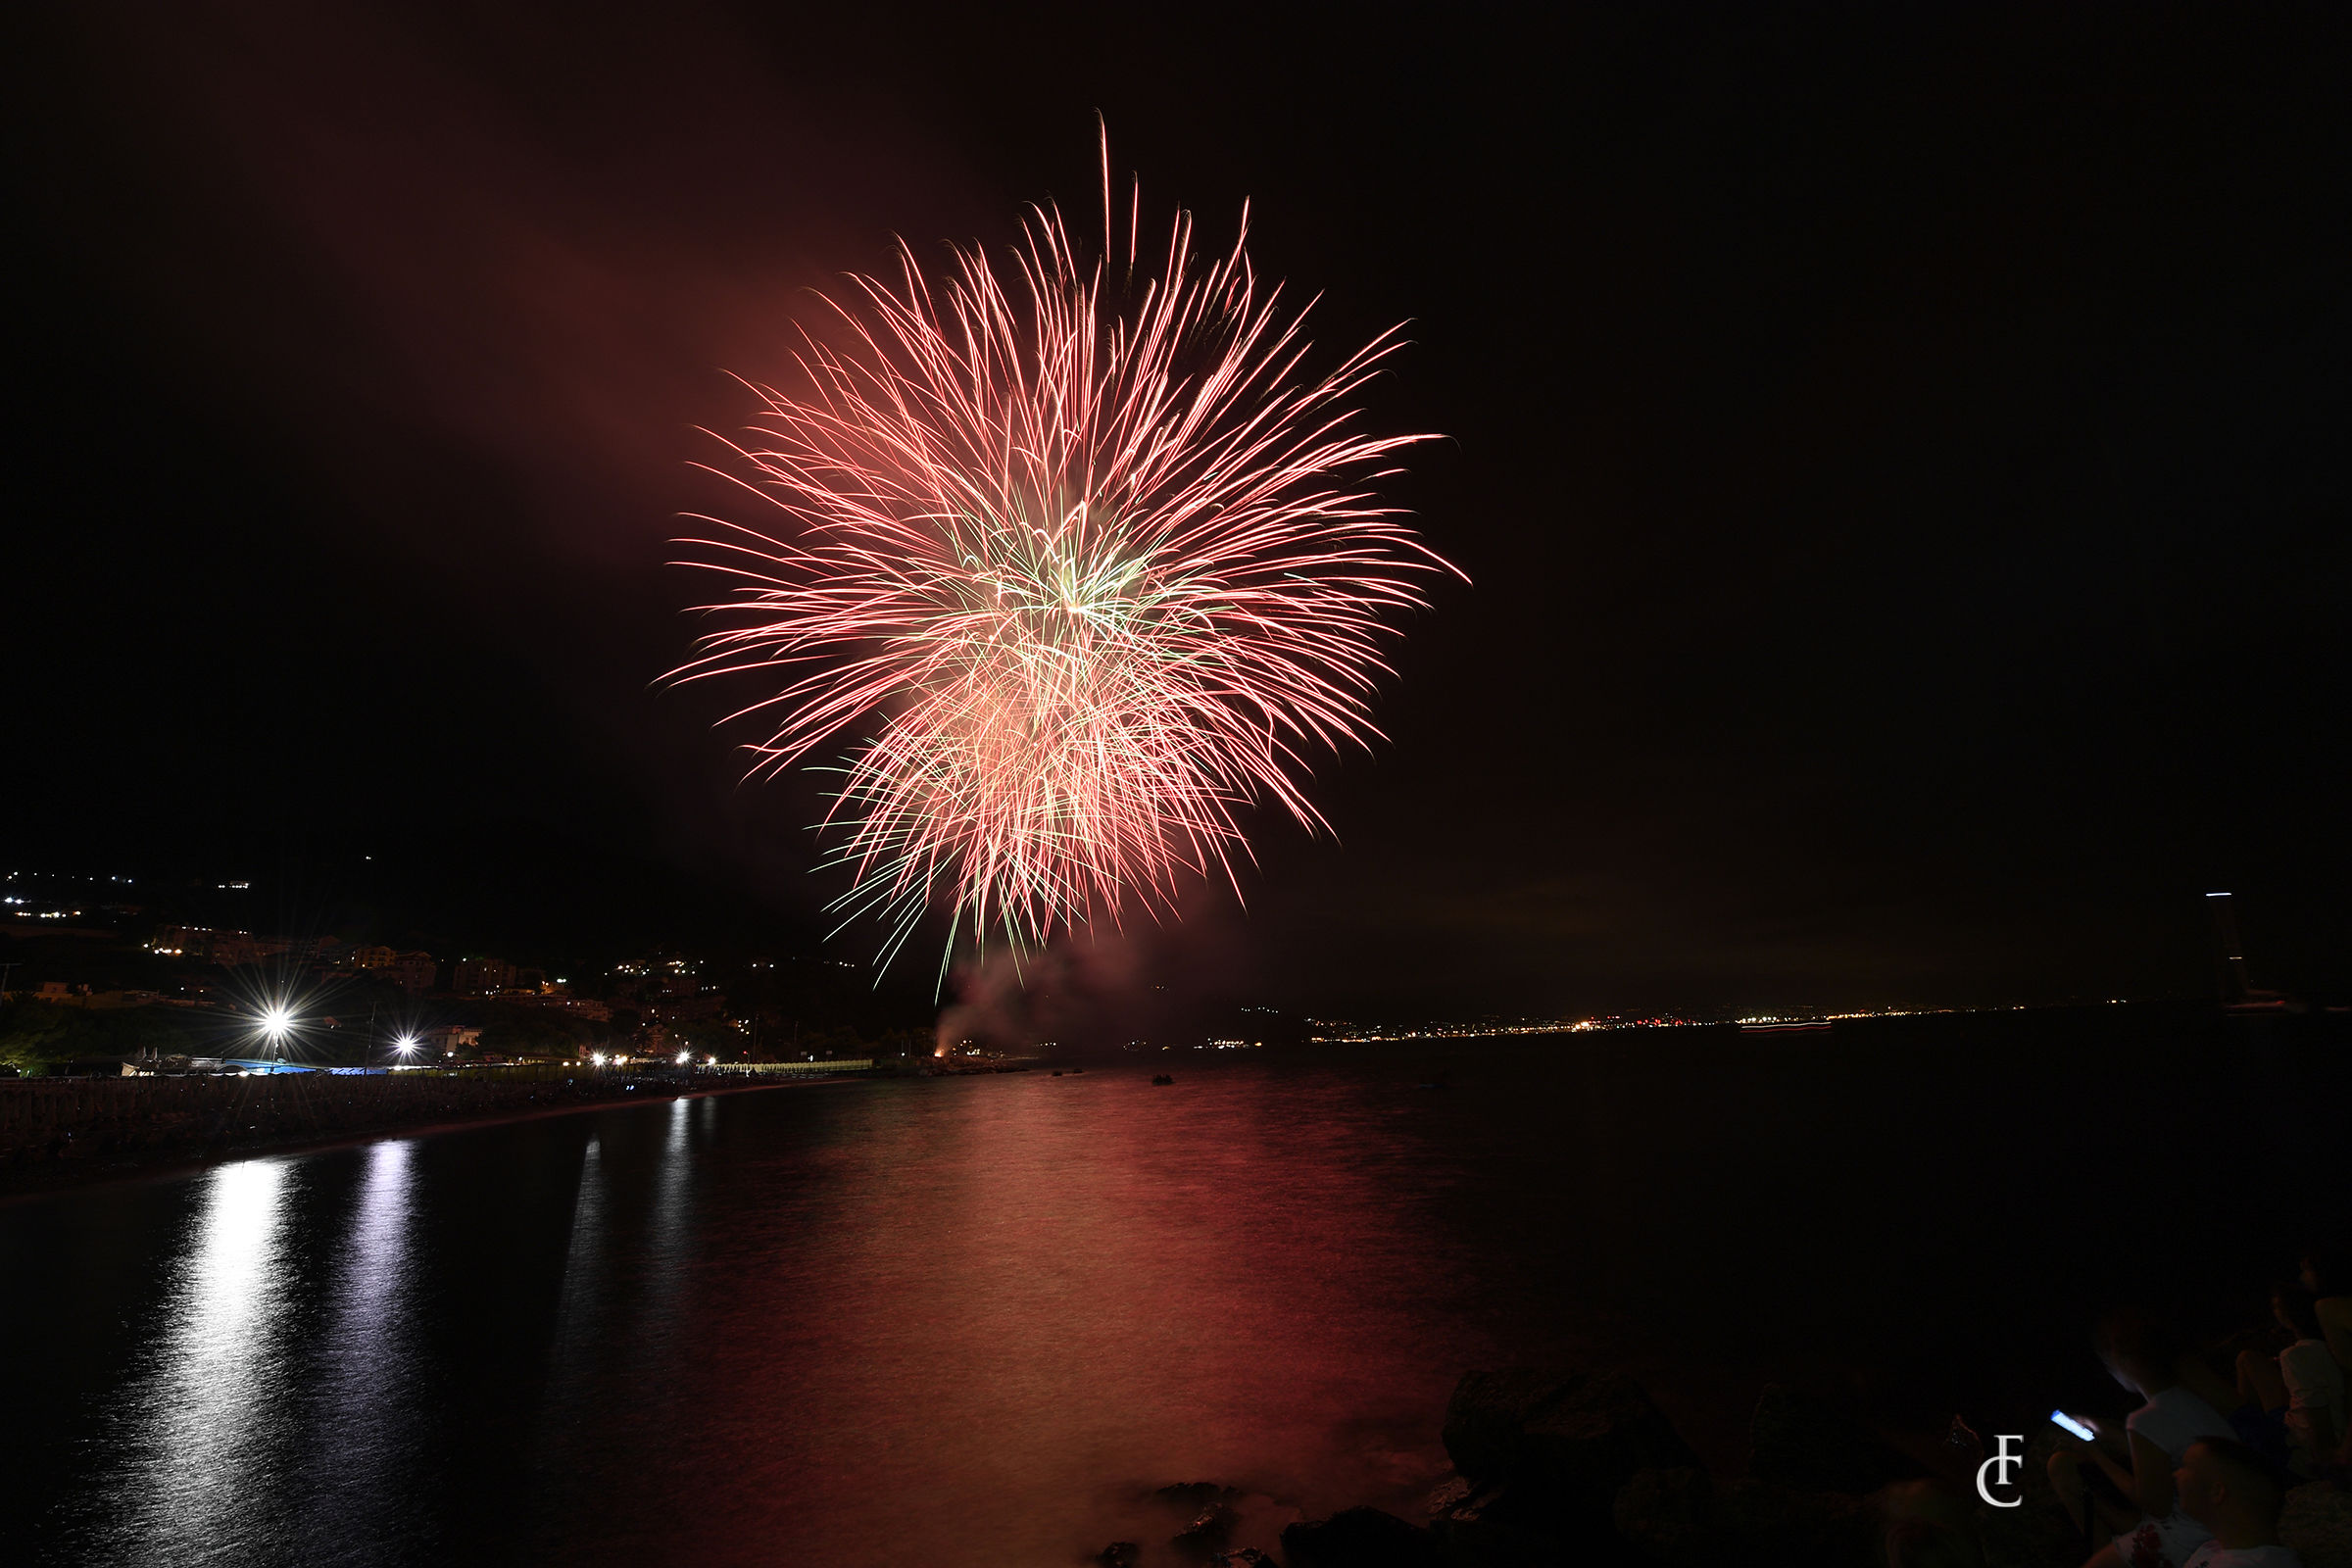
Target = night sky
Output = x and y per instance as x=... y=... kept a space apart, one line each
x=1901 y=455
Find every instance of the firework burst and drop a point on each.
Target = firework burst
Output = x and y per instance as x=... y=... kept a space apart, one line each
x=1081 y=562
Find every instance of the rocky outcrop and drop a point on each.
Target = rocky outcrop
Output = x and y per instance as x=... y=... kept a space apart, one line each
x=1208 y=1534
x=1669 y=1516
x=1559 y=1442
x=1576 y=1468
x=1213 y=1516
x=1491 y=1527
x=1679 y=1517
x=1766 y=1524
x=1799 y=1442
x=1360 y=1537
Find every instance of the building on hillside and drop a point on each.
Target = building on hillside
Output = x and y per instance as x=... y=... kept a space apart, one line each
x=61 y=994
x=684 y=1009
x=481 y=977
x=189 y=941
x=560 y=1000
x=373 y=955
x=647 y=978
x=451 y=1039
x=232 y=948
x=412 y=972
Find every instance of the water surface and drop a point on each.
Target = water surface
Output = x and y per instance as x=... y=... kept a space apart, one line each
x=970 y=1321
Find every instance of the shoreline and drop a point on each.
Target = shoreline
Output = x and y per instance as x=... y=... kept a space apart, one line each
x=61 y=1176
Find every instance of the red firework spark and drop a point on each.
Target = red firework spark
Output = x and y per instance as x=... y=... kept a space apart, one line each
x=1085 y=567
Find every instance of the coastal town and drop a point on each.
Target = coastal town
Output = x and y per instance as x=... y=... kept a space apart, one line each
x=101 y=978
x=105 y=975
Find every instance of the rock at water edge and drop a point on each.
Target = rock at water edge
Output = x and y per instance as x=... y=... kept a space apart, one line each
x=1563 y=1440
x=1360 y=1537
x=1800 y=1441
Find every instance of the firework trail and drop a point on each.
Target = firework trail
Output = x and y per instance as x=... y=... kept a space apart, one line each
x=1081 y=564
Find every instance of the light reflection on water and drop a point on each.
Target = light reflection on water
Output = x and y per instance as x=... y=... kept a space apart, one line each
x=361 y=1398
x=199 y=1431
x=670 y=1237
x=584 y=1245
x=260 y=1425
x=967 y=1323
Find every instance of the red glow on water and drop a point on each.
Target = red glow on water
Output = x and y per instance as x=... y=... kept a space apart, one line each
x=1059 y=1294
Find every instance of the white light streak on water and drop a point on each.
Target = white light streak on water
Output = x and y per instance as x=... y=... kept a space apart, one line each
x=583 y=1251
x=669 y=1244
x=361 y=1399
x=200 y=1420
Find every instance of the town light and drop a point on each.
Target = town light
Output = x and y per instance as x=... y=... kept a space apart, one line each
x=277 y=1022
x=598 y=1059
x=407 y=1044
x=682 y=1058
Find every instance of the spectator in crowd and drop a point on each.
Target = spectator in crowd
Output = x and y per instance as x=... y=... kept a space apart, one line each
x=1930 y=1524
x=2236 y=1496
x=2128 y=1475
x=2327 y=1276
x=2311 y=1385
x=2257 y=1404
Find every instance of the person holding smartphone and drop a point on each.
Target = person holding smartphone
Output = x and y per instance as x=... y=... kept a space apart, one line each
x=2129 y=1474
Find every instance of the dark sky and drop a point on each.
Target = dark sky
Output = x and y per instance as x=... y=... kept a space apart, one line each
x=1901 y=455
